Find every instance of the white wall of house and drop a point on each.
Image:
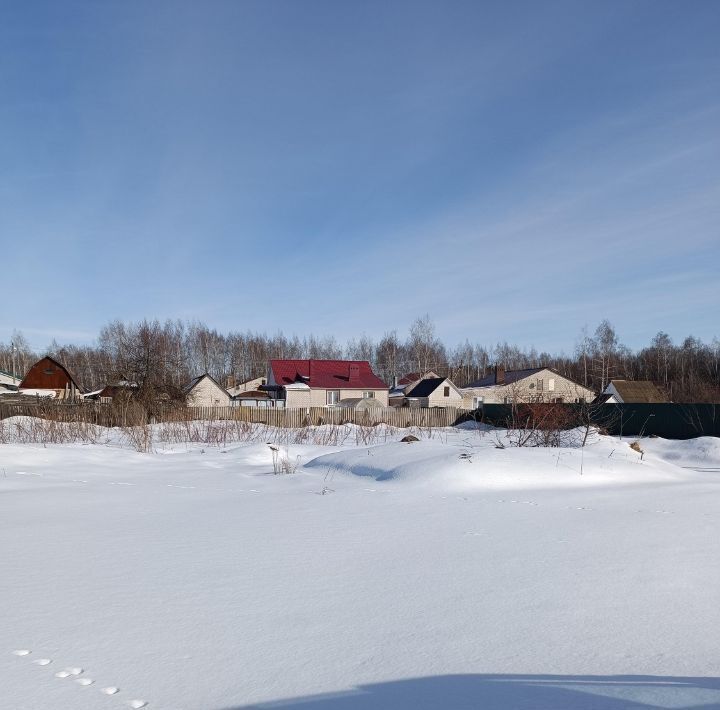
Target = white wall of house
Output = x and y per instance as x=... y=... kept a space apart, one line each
x=297 y=397
x=614 y=397
x=318 y=397
x=438 y=398
x=543 y=386
x=207 y=393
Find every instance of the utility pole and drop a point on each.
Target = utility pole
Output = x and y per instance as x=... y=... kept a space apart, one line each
x=13 y=349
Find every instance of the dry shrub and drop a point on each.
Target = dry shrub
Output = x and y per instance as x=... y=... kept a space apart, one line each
x=543 y=425
x=35 y=430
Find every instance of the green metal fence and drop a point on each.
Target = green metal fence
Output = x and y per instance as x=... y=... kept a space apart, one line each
x=670 y=421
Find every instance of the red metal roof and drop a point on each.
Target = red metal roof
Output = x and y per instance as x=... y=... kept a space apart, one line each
x=327 y=374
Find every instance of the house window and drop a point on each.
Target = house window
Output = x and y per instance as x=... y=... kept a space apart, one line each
x=332 y=397
x=446 y=391
x=477 y=401
x=551 y=384
x=539 y=385
x=368 y=395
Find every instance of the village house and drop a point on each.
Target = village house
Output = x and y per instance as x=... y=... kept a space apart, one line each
x=400 y=387
x=122 y=389
x=48 y=378
x=429 y=390
x=632 y=392
x=536 y=384
x=434 y=392
x=323 y=383
x=204 y=391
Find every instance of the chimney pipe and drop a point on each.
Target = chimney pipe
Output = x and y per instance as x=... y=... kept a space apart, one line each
x=499 y=375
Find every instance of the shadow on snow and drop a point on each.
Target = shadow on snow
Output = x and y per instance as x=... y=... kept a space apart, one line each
x=516 y=692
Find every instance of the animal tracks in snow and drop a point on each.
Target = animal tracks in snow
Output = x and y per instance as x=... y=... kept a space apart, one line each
x=75 y=673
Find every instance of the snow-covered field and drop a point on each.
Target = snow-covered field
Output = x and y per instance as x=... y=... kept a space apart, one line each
x=446 y=573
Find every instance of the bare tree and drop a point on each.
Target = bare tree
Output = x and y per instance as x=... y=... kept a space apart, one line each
x=605 y=344
x=425 y=348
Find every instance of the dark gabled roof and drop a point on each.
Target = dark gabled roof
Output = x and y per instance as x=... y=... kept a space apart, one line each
x=639 y=392
x=510 y=377
x=192 y=383
x=426 y=387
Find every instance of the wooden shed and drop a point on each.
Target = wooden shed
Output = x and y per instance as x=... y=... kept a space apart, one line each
x=49 y=378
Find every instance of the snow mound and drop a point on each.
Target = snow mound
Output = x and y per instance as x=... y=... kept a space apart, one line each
x=700 y=453
x=485 y=463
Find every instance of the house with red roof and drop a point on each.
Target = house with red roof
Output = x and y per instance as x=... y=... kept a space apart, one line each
x=323 y=383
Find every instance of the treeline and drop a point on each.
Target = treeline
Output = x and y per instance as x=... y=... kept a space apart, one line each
x=163 y=357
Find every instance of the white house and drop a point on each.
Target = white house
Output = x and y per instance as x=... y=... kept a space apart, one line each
x=204 y=391
x=536 y=384
x=433 y=392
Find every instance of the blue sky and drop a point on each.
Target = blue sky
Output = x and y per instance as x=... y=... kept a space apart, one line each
x=514 y=169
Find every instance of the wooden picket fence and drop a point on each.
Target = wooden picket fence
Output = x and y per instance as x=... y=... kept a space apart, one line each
x=111 y=416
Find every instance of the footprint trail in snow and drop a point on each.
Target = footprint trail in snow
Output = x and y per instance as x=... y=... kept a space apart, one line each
x=74 y=672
